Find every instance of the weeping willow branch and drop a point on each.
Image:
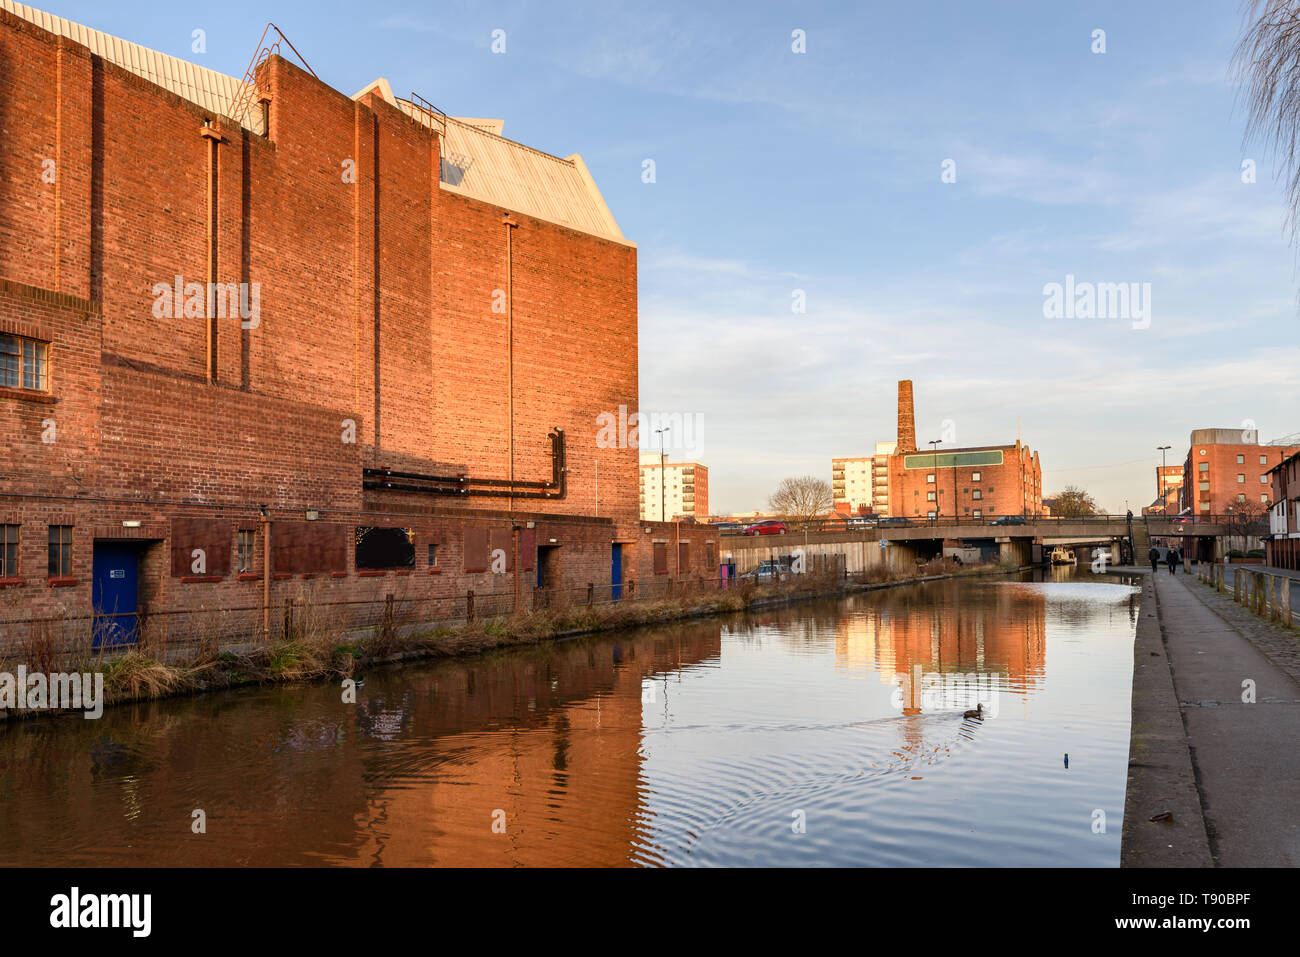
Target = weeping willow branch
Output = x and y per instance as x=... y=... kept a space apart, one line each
x=1267 y=64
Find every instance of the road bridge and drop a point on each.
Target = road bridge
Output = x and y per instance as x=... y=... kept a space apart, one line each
x=1024 y=543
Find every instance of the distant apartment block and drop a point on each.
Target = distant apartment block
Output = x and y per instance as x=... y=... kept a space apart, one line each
x=673 y=490
x=851 y=484
x=880 y=477
x=1227 y=469
x=1169 y=482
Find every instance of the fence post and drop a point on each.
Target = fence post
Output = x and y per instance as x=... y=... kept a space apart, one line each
x=631 y=589
x=590 y=591
x=388 y=614
x=469 y=605
x=288 y=619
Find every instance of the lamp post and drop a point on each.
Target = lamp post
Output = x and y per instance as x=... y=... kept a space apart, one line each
x=660 y=433
x=1160 y=482
x=934 y=447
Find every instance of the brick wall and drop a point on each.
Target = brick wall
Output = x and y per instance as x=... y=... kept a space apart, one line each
x=1012 y=488
x=1217 y=465
x=375 y=340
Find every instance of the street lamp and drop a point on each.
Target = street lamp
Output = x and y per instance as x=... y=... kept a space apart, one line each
x=934 y=447
x=660 y=433
x=1160 y=482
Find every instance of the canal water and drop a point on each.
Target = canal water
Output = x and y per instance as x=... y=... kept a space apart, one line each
x=825 y=733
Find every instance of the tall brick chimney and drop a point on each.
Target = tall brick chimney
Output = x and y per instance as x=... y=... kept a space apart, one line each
x=906 y=418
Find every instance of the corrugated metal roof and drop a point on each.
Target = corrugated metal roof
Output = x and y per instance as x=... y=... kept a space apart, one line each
x=478 y=161
x=205 y=88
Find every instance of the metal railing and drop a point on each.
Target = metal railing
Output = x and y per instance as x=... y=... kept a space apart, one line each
x=1187 y=522
x=177 y=634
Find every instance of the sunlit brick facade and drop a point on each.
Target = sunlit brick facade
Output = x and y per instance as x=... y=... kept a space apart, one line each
x=419 y=339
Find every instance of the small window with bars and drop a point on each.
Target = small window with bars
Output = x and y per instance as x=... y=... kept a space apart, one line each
x=24 y=363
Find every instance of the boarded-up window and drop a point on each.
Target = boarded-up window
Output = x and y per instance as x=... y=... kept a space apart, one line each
x=382 y=546
x=476 y=548
x=661 y=558
x=201 y=546
x=710 y=556
x=527 y=548
x=501 y=542
x=683 y=557
x=298 y=547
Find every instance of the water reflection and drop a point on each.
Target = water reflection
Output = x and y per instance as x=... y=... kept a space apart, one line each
x=747 y=740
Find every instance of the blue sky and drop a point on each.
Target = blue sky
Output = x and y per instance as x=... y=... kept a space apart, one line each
x=778 y=171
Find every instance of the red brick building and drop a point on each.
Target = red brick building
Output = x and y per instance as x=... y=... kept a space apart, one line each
x=1282 y=547
x=348 y=332
x=965 y=483
x=1227 y=469
x=1169 y=480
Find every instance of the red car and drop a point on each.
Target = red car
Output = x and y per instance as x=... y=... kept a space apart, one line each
x=769 y=527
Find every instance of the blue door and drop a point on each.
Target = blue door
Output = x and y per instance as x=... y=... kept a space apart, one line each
x=616 y=573
x=115 y=592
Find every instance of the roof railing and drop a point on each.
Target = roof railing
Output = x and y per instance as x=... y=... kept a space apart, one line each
x=243 y=101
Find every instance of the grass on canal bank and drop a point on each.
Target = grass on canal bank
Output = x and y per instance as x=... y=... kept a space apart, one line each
x=320 y=648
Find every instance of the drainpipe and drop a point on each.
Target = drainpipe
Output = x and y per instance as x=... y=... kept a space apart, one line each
x=266 y=575
x=510 y=349
x=510 y=392
x=213 y=136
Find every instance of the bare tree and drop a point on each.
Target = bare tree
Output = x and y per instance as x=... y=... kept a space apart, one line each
x=1247 y=520
x=1073 y=502
x=804 y=499
x=1267 y=62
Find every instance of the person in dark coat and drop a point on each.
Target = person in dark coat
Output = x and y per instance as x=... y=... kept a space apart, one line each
x=1154 y=555
x=1173 y=559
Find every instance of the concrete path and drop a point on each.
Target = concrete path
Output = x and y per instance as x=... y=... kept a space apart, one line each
x=1244 y=756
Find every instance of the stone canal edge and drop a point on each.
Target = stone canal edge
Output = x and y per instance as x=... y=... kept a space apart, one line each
x=1216 y=708
x=1160 y=774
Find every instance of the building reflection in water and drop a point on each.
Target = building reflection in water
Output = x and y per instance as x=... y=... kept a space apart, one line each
x=950 y=646
x=528 y=762
x=604 y=751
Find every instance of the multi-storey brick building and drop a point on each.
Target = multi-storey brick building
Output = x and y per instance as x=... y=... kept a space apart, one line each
x=243 y=322
x=1226 y=470
x=1169 y=482
x=1282 y=547
x=673 y=490
x=966 y=483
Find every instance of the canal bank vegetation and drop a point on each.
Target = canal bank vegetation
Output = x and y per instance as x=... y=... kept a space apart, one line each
x=315 y=646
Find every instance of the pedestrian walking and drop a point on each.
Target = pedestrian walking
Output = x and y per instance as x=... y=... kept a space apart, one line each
x=1154 y=555
x=1172 y=558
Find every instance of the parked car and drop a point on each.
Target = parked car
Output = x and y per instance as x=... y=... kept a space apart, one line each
x=728 y=526
x=859 y=521
x=1009 y=520
x=766 y=571
x=770 y=526
x=893 y=520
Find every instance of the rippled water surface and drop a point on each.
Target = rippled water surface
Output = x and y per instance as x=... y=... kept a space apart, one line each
x=828 y=733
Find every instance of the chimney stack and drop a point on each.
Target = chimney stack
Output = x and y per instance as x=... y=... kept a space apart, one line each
x=906 y=418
